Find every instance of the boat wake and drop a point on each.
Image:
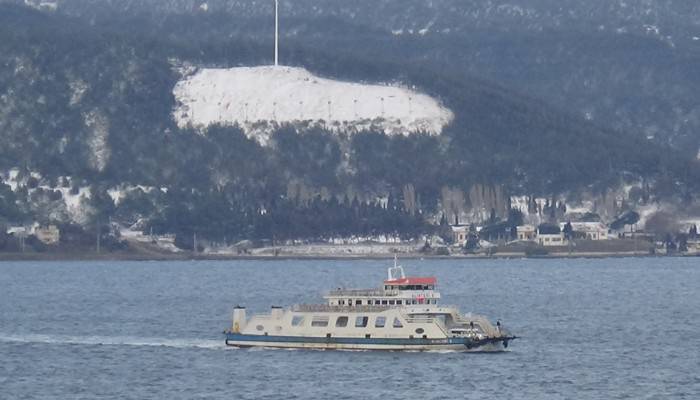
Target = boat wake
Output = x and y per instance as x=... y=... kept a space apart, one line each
x=114 y=341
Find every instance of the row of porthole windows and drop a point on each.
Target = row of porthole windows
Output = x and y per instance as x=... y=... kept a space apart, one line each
x=386 y=302
x=418 y=330
x=360 y=322
x=343 y=321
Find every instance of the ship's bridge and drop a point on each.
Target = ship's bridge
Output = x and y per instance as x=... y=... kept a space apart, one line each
x=398 y=290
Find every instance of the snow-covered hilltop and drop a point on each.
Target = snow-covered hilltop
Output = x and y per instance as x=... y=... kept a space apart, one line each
x=258 y=98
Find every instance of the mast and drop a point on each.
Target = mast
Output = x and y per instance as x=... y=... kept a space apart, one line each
x=277 y=32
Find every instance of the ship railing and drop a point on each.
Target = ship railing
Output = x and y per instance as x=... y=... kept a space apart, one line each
x=362 y=292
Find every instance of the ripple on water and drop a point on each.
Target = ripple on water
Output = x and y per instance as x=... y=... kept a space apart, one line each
x=590 y=329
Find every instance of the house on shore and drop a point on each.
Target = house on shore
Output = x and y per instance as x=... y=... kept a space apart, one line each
x=460 y=234
x=48 y=234
x=550 y=235
x=588 y=230
x=526 y=232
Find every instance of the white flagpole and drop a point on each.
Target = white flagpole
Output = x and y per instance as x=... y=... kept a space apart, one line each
x=277 y=32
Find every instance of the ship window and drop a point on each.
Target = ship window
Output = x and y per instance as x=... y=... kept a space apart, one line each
x=384 y=302
x=259 y=327
x=297 y=320
x=419 y=330
x=358 y=302
x=361 y=322
x=341 y=302
x=380 y=322
x=399 y=302
x=319 y=321
x=341 y=322
x=397 y=323
x=391 y=302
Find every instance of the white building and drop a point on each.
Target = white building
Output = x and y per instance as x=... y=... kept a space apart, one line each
x=693 y=246
x=526 y=232
x=589 y=230
x=460 y=234
x=48 y=234
x=551 y=239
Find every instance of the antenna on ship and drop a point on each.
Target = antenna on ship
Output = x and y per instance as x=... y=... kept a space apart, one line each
x=395 y=272
x=277 y=32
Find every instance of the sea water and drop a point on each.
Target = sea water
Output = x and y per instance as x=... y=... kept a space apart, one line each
x=590 y=329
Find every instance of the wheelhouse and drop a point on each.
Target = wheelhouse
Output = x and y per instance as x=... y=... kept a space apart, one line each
x=397 y=290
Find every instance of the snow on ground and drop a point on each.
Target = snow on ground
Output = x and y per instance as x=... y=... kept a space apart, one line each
x=42 y=5
x=73 y=202
x=252 y=97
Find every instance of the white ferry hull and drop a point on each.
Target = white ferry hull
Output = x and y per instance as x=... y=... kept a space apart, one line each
x=380 y=344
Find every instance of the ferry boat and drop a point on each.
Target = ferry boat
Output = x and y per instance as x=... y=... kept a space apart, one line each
x=403 y=314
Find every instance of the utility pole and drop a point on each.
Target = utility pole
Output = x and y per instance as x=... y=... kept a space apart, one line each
x=277 y=32
x=98 y=238
x=194 y=242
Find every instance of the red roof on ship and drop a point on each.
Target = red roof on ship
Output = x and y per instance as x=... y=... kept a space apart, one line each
x=412 y=281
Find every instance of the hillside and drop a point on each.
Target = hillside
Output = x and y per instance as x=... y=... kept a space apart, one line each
x=661 y=18
x=91 y=108
x=631 y=66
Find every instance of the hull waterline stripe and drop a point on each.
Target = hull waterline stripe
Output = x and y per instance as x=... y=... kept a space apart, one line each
x=373 y=341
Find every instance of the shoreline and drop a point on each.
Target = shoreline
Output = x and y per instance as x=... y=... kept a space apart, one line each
x=188 y=256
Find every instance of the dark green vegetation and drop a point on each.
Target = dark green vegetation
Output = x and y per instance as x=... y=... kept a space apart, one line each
x=93 y=100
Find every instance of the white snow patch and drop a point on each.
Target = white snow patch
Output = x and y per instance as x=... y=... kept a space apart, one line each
x=78 y=89
x=204 y=7
x=12 y=179
x=119 y=193
x=42 y=5
x=258 y=98
x=73 y=202
x=98 y=124
x=652 y=29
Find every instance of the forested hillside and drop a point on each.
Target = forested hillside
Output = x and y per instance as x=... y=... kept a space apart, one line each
x=627 y=65
x=86 y=104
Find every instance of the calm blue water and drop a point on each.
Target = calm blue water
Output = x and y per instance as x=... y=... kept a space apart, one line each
x=592 y=329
